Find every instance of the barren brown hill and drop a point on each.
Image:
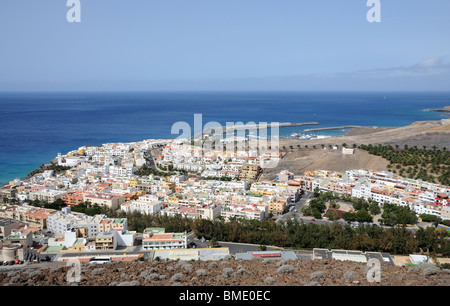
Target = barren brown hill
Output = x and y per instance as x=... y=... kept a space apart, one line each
x=232 y=273
x=418 y=130
x=363 y=130
x=298 y=161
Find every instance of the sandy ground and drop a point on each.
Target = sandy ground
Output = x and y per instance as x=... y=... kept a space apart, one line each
x=421 y=133
x=300 y=160
x=232 y=273
x=367 y=135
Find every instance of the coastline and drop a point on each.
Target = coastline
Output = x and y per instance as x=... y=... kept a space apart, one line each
x=347 y=135
x=72 y=123
x=445 y=109
x=363 y=134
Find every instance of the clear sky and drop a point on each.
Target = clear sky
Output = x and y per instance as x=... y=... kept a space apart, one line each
x=224 y=45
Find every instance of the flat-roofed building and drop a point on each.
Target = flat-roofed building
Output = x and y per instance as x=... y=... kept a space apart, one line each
x=38 y=217
x=277 y=207
x=445 y=212
x=19 y=237
x=105 y=199
x=250 y=172
x=106 y=241
x=158 y=239
x=9 y=193
x=108 y=224
x=73 y=198
x=6 y=226
x=192 y=254
x=65 y=220
x=47 y=195
x=146 y=204
x=286 y=255
x=285 y=176
x=348 y=255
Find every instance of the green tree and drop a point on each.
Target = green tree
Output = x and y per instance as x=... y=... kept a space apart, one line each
x=363 y=216
x=213 y=242
x=374 y=209
x=332 y=215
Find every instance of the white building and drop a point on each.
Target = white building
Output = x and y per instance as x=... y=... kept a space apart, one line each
x=146 y=204
x=47 y=195
x=157 y=239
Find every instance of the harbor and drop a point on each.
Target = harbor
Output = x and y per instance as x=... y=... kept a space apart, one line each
x=332 y=128
x=251 y=127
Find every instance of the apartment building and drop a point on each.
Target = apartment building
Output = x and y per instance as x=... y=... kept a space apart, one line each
x=6 y=226
x=16 y=245
x=65 y=220
x=36 y=217
x=445 y=214
x=284 y=176
x=158 y=239
x=9 y=193
x=47 y=195
x=252 y=212
x=109 y=224
x=250 y=172
x=106 y=241
x=208 y=211
x=442 y=199
x=105 y=199
x=145 y=204
x=277 y=207
x=73 y=198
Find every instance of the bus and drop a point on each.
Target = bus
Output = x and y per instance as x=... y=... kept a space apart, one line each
x=99 y=260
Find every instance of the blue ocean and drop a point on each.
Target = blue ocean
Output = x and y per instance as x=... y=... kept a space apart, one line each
x=37 y=126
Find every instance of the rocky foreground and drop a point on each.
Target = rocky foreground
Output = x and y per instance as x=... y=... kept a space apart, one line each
x=230 y=273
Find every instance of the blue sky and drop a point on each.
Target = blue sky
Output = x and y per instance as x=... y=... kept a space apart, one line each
x=224 y=45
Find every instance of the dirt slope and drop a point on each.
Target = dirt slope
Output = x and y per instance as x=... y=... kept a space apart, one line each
x=298 y=161
x=232 y=273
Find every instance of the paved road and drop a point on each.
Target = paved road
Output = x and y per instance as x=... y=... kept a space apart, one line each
x=297 y=213
x=232 y=246
x=242 y=247
x=150 y=160
x=298 y=207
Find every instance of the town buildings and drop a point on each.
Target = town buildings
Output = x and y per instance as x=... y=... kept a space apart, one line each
x=158 y=239
x=209 y=185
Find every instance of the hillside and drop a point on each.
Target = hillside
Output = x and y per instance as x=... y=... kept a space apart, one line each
x=232 y=273
x=301 y=156
x=420 y=130
x=298 y=161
